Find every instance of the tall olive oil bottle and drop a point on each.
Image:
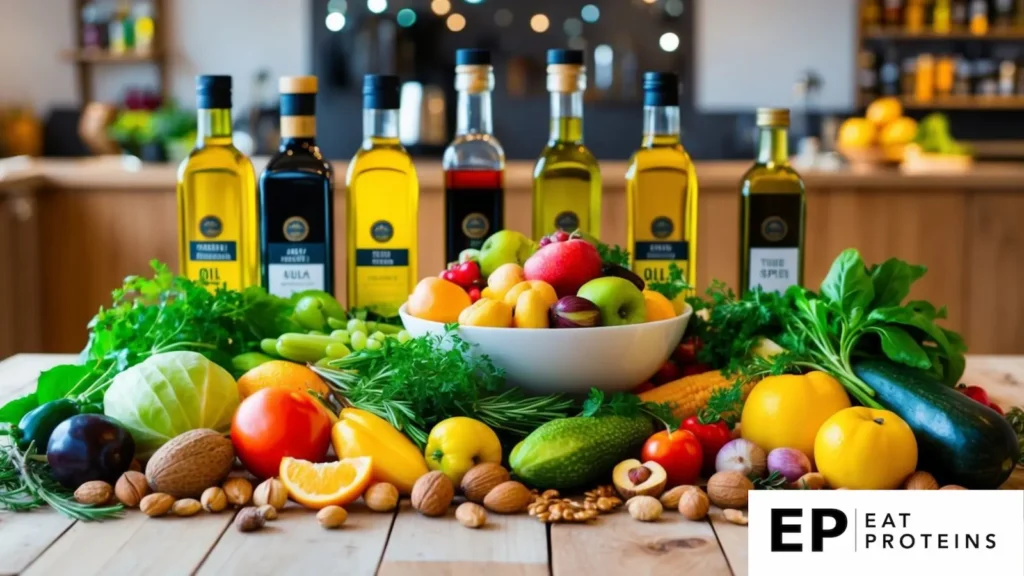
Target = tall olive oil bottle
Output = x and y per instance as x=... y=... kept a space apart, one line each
x=217 y=222
x=382 y=206
x=772 y=211
x=661 y=189
x=566 y=179
x=297 y=200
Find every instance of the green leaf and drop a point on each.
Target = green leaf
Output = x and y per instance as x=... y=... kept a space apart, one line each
x=901 y=347
x=955 y=362
x=848 y=284
x=593 y=403
x=58 y=381
x=891 y=281
x=675 y=285
x=12 y=412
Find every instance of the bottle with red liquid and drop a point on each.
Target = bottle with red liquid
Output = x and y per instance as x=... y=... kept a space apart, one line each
x=474 y=163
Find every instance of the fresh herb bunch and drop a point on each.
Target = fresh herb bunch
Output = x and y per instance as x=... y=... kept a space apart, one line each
x=26 y=484
x=674 y=286
x=773 y=481
x=859 y=314
x=417 y=384
x=623 y=404
x=725 y=404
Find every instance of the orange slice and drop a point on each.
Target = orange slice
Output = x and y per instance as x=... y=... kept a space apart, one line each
x=331 y=483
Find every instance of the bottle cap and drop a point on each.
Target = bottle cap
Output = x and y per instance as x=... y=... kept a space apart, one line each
x=472 y=57
x=565 y=57
x=380 y=92
x=297 y=85
x=566 y=72
x=213 y=92
x=773 y=117
x=661 y=89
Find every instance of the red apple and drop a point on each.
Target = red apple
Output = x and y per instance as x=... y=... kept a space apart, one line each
x=564 y=265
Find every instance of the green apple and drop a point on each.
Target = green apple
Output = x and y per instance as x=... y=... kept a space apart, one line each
x=504 y=247
x=469 y=255
x=618 y=299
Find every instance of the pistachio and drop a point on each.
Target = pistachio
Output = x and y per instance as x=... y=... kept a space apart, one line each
x=272 y=492
x=268 y=512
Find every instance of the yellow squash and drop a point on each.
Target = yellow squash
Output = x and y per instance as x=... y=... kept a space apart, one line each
x=396 y=459
x=865 y=449
x=786 y=411
x=457 y=444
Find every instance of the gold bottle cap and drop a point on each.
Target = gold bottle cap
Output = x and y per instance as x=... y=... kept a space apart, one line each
x=567 y=78
x=773 y=117
x=297 y=85
x=474 y=78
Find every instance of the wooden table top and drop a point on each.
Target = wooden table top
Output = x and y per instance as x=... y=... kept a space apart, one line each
x=44 y=542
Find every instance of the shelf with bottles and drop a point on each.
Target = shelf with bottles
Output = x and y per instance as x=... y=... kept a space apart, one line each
x=101 y=56
x=969 y=102
x=942 y=19
x=1014 y=33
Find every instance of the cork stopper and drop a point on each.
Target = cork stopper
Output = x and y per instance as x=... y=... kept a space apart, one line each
x=297 y=85
x=773 y=117
x=567 y=78
x=475 y=79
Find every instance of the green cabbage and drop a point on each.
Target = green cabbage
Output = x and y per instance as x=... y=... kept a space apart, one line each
x=169 y=394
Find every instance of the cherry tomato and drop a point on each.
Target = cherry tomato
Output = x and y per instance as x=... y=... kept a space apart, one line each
x=560 y=236
x=449 y=275
x=976 y=393
x=274 y=423
x=643 y=388
x=996 y=407
x=668 y=372
x=466 y=273
x=679 y=453
x=696 y=368
x=712 y=437
x=474 y=294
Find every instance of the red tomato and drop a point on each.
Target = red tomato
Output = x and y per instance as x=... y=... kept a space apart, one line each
x=640 y=389
x=977 y=393
x=712 y=437
x=679 y=453
x=695 y=368
x=274 y=423
x=667 y=373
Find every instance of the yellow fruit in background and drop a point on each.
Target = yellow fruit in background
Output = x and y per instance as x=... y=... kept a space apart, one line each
x=865 y=449
x=884 y=111
x=786 y=411
x=898 y=132
x=546 y=290
x=487 y=313
x=280 y=374
x=531 y=310
x=658 y=306
x=856 y=133
x=504 y=278
x=438 y=300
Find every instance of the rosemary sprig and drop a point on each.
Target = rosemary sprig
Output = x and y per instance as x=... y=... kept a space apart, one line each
x=773 y=481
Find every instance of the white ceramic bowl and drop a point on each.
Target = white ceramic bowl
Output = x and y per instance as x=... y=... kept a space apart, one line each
x=571 y=360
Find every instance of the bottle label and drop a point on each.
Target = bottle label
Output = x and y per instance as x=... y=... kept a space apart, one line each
x=385 y=235
x=473 y=214
x=659 y=224
x=651 y=259
x=775 y=241
x=213 y=254
x=565 y=205
x=294 y=267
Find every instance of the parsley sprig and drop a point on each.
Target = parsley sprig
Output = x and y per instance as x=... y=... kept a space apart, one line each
x=623 y=404
x=674 y=286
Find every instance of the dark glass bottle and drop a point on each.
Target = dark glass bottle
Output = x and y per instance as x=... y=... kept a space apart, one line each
x=297 y=200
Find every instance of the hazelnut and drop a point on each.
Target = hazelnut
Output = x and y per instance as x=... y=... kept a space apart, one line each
x=735 y=516
x=481 y=479
x=214 y=499
x=471 y=515
x=508 y=498
x=131 y=488
x=249 y=519
x=432 y=494
x=268 y=512
x=729 y=489
x=639 y=475
x=94 y=493
x=156 y=504
x=694 y=504
x=921 y=481
x=332 y=516
x=238 y=491
x=270 y=491
x=644 y=508
x=381 y=497
x=670 y=499
x=186 y=507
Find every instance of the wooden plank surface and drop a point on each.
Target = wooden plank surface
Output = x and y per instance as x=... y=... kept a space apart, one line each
x=23 y=537
x=505 y=546
x=732 y=539
x=296 y=544
x=617 y=544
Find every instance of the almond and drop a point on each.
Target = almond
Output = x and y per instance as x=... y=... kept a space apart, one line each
x=433 y=493
x=481 y=479
x=508 y=498
x=94 y=493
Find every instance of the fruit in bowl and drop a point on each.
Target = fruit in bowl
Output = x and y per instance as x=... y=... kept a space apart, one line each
x=438 y=300
x=618 y=299
x=486 y=312
x=566 y=266
x=504 y=247
x=575 y=312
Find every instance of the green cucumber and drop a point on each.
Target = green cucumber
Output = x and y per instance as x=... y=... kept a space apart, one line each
x=959 y=441
x=577 y=452
x=37 y=426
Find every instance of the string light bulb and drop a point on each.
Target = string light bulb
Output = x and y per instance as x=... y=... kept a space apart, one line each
x=539 y=23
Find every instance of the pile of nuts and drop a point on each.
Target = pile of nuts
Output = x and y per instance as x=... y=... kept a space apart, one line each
x=549 y=507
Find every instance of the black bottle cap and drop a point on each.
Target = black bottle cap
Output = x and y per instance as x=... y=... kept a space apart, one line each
x=213 y=92
x=472 y=57
x=380 y=92
x=661 y=89
x=565 y=57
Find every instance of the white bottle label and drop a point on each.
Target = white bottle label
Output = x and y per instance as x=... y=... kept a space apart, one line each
x=294 y=267
x=774 y=269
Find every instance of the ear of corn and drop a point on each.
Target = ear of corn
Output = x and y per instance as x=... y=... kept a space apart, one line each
x=688 y=395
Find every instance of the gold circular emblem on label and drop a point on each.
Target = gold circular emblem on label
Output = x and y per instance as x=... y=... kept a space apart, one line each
x=296 y=229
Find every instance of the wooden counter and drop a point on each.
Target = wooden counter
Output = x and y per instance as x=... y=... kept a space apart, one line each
x=92 y=222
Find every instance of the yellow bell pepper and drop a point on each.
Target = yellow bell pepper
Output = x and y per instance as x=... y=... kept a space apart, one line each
x=396 y=459
x=457 y=444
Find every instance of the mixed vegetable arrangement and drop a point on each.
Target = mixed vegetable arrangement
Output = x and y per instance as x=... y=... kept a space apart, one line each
x=766 y=391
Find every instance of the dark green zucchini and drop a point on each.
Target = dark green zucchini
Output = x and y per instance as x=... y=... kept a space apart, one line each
x=37 y=426
x=959 y=441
